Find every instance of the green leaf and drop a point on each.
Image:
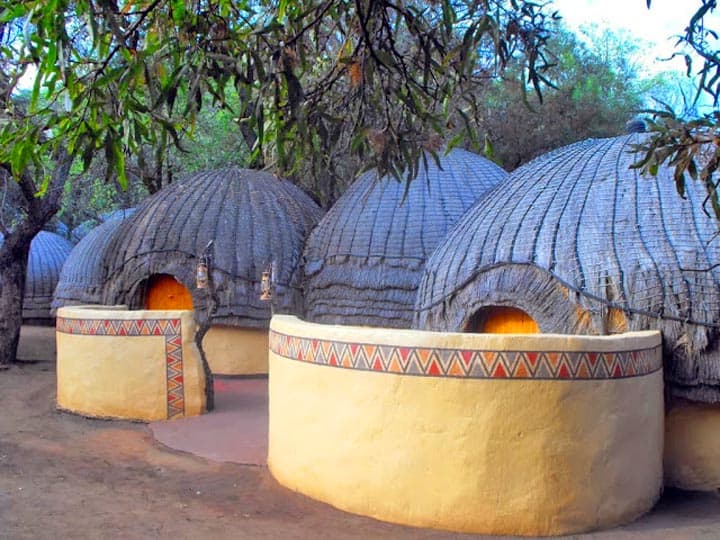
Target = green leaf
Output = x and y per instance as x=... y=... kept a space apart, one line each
x=178 y=11
x=14 y=11
x=385 y=58
x=489 y=150
x=456 y=140
x=282 y=10
x=120 y=164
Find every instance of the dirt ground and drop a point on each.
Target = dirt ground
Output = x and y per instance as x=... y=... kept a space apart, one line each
x=63 y=476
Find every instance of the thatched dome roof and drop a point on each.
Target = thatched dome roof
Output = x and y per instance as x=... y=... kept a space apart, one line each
x=83 y=274
x=84 y=228
x=363 y=261
x=253 y=218
x=48 y=252
x=586 y=245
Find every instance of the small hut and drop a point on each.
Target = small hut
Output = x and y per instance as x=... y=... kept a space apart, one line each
x=364 y=260
x=577 y=242
x=83 y=274
x=257 y=223
x=48 y=252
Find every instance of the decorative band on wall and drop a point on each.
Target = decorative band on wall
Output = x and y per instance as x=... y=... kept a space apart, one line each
x=170 y=329
x=468 y=363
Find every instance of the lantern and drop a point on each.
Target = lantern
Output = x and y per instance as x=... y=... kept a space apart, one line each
x=266 y=285
x=201 y=276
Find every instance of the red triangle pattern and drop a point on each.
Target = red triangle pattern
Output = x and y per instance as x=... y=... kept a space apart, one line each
x=175 y=376
x=118 y=327
x=470 y=363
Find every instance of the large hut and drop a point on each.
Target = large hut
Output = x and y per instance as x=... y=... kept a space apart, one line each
x=48 y=252
x=83 y=275
x=257 y=223
x=363 y=261
x=577 y=242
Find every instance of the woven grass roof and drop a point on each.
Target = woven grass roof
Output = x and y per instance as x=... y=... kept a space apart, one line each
x=586 y=245
x=363 y=261
x=83 y=274
x=48 y=252
x=84 y=228
x=253 y=218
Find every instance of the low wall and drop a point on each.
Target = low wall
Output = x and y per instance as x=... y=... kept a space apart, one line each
x=692 y=446
x=493 y=434
x=231 y=350
x=138 y=365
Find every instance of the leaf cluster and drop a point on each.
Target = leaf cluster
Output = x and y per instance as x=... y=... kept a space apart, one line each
x=691 y=146
x=316 y=80
x=596 y=89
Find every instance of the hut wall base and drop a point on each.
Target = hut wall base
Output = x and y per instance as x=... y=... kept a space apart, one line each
x=447 y=431
x=692 y=446
x=236 y=351
x=133 y=365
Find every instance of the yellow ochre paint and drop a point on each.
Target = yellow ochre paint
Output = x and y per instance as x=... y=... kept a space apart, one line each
x=232 y=350
x=692 y=446
x=125 y=377
x=514 y=456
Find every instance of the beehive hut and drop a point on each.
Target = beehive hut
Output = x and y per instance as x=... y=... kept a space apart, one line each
x=363 y=261
x=83 y=274
x=576 y=242
x=48 y=252
x=256 y=222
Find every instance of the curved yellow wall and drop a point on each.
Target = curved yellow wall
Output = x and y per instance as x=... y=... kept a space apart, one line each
x=692 y=446
x=493 y=434
x=138 y=365
x=231 y=350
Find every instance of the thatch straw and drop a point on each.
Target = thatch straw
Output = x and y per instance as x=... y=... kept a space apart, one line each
x=253 y=218
x=83 y=274
x=586 y=245
x=84 y=228
x=364 y=259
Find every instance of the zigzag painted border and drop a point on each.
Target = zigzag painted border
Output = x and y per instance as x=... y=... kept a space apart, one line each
x=170 y=329
x=468 y=363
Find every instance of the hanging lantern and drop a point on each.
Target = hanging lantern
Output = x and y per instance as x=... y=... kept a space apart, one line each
x=266 y=285
x=201 y=276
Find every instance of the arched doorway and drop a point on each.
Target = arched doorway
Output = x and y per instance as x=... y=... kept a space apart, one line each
x=166 y=292
x=502 y=320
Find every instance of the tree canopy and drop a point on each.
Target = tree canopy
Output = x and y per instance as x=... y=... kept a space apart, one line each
x=372 y=78
x=598 y=86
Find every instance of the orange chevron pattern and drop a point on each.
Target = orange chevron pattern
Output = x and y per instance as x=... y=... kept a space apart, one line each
x=170 y=329
x=468 y=363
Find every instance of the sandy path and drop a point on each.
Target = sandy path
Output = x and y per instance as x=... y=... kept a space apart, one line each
x=63 y=476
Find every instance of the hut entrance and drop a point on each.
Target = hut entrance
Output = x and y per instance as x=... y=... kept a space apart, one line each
x=166 y=292
x=502 y=320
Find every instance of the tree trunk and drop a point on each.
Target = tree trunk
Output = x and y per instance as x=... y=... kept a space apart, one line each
x=203 y=318
x=13 y=267
x=16 y=247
